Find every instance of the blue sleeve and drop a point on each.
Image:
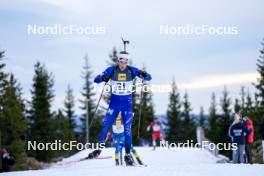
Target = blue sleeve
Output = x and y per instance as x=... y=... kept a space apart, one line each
x=106 y=73
x=138 y=72
x=148 y=77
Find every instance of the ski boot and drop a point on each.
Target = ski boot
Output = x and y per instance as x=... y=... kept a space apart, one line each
x=117 y=162
x=94 y=154
x=129 y=160
x=121 y=161
x=117 y=159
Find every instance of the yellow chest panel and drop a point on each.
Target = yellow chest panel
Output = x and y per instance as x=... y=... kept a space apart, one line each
x=121 y=77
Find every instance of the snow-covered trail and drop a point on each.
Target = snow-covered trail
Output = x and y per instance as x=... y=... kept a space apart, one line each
x=178 y=162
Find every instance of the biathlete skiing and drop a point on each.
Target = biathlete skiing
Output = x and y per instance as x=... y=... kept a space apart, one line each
x=156 y=127
x=118 y=139
x=121 y=78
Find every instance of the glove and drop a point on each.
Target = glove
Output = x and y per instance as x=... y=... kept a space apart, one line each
x=143 y=74
x=105 y=78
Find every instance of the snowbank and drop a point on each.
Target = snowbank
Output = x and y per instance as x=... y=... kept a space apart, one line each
x=178 y=162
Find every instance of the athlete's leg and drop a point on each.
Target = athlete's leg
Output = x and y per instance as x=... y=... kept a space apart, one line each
x=127 y=117
x=109 y=119
x=116 y=143
x=134 y=152
x=108 y=122
x=162 y=141
x=118 y=150
x=154 y=138
x=121 y=149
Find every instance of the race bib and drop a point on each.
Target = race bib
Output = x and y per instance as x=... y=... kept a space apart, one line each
x=156 y=127
x=118 y=129
x=122 y=87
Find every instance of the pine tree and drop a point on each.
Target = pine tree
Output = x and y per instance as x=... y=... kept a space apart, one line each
x=260 y=83
x=147 y=115
x=41 y=126
x=63 y=132
x=3 y=82
x=173 y=132
x=88 y=101
x=202 y=119
x=243 y=97
x=213 y=130
x=113 y=57
x=13 y=124
x=136 y=97
x=237 y=106
x=69 y=108
x=225 y=118
x=3 y=75
x=249 y=109
x=259 y=95
x=225 y=103
x=188 y=122
x=256 y=103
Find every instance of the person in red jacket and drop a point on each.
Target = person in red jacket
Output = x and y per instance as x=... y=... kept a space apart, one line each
x=156 y=127
x=249 y=139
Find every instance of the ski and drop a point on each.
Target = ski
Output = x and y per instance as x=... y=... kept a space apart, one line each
x=142 y=165
x=99 y=157
x=82 y=159
x=136 y=165
x=104 y=157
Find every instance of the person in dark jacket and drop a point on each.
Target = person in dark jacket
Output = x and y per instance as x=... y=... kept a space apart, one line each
x=6 y=160
x=238 y=132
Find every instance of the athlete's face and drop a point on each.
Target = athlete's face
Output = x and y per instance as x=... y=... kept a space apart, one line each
x=122 y=65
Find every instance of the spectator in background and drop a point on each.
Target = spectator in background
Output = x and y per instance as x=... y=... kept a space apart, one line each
x=6 y=160
x=237 y=132
x=249 y=139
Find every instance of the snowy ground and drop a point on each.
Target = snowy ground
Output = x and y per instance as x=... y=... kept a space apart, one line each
x=179 y=162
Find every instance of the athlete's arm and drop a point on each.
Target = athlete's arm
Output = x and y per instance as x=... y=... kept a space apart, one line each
x=105 y=76
x=161 y=125
x=141 y=74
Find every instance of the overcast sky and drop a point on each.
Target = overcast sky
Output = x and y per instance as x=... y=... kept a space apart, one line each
x=201 y=64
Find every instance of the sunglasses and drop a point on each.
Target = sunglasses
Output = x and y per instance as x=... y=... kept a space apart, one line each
x=122 y=60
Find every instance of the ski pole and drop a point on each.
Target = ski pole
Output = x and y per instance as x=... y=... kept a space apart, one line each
x=140 y=108
x=97 y=106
